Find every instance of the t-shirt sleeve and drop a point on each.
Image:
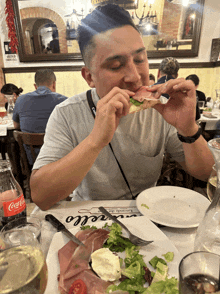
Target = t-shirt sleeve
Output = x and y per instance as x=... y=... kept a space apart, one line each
x=58 y=141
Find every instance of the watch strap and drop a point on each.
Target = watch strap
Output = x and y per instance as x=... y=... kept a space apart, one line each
x=190 y=139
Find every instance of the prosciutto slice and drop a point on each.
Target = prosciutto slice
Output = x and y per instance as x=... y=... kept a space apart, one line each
x=145 y=96
x=74 y=262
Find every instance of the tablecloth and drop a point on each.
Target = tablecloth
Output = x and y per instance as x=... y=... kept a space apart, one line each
x=4 y=126
x=79 y=213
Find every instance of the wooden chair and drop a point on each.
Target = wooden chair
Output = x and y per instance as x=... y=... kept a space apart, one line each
x=32 y=140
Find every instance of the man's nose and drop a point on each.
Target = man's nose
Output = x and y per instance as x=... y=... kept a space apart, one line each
x=131 y=73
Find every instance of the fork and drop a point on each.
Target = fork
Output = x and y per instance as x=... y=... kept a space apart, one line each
x=134 y=239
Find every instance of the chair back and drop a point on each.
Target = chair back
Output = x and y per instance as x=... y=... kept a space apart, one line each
x=32 y=140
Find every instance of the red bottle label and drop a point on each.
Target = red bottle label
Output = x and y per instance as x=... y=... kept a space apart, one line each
x=14 y=207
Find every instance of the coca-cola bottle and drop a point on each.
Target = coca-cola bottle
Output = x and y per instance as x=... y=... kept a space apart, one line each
x=12 y=202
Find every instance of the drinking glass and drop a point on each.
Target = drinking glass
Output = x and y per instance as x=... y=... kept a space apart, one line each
x=23 y=266
x=201 y=104
x=3 y=113
x=199 y=273
x=30 y=223
x=212 y=183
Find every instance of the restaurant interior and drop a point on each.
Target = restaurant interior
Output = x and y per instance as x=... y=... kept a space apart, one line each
x=189 y=32
x=38 y=34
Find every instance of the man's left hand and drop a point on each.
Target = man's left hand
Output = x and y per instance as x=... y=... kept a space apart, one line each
x=180 y=110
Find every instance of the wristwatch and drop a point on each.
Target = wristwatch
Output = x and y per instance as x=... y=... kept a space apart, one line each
x=190 y=139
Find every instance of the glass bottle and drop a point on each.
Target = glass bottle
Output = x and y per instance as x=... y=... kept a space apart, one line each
x=12 y=202
x=11 y=105
x=208 y=233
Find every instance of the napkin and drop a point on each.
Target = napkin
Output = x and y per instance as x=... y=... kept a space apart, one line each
x=4 y=125
x=3 y=130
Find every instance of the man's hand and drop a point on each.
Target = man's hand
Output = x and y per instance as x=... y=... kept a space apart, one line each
x=109 y=111
x=180 y=110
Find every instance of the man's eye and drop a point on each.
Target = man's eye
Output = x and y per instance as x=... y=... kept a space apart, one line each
x=116 y=67
x=139 y=60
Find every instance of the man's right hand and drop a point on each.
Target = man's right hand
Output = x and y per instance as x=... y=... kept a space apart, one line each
x=109 y=111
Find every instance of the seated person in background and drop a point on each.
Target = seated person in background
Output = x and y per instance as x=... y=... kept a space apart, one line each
x=11 y=89
x=199 y=95
x=151 y=79
x=168 y=70
x=32 y=110
x=76 y=154
x=54 y=44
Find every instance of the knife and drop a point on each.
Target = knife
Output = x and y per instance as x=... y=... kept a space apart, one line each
x=60 y=227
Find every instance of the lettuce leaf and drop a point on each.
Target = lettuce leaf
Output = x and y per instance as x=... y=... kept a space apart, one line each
x=135 y=102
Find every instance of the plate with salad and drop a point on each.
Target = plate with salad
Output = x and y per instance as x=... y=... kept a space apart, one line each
x=161 y=258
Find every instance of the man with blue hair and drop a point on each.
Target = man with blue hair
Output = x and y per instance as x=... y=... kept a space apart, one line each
x=93 y=146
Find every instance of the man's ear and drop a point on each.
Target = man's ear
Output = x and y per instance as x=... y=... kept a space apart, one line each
x=85 y=72
x=158 y=74
x=54 y=87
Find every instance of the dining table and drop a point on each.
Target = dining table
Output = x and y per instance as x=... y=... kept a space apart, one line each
x=12 y=148
x=209 y=123
x=74 y=214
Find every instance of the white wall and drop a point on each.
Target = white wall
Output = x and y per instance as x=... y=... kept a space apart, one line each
x=210 y=30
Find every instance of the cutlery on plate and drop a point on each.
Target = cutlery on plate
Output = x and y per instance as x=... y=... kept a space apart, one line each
x=60 y=227
x=134 y=239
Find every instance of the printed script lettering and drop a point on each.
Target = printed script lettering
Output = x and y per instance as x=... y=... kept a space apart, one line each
x=82 y=220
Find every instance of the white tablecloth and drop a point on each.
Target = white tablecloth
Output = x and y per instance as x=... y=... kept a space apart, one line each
x=210 y=122
x=5 y=125
x=78 y=213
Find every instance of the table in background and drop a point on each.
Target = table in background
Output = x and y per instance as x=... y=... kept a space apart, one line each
x=78 y=213
x=209 y=123
x=12 y=149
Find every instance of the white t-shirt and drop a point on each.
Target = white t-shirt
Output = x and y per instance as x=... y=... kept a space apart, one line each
x=139 y=144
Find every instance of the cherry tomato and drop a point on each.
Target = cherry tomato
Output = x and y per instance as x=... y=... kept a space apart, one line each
x=78 y=287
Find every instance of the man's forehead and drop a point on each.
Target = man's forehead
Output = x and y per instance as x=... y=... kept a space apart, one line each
x=120 y=41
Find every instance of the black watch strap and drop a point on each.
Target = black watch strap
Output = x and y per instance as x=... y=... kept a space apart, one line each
x=190 y=139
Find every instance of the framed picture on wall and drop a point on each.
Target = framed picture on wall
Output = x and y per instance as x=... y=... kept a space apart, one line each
x=215 y=50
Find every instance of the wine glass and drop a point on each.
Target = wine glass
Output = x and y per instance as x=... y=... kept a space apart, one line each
x=212 y=183
x=199 y=273
x=3 y=113
x=23 y=266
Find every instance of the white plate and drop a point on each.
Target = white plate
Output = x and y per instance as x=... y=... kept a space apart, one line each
x=173 y=206
x=141 y=226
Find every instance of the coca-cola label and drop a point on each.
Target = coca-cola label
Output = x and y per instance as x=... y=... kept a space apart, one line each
x=14 y=207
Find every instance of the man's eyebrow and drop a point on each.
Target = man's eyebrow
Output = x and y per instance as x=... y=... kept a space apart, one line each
x=139 y=50
x=121 y=57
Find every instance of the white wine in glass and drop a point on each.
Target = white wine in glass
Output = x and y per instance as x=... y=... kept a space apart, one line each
x=211 y=187
x=212 y=183
x=23 y=270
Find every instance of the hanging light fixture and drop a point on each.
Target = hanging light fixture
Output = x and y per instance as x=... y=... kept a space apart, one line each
x=147 y=20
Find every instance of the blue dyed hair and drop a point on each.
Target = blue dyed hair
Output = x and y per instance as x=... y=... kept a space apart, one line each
x=102 y=19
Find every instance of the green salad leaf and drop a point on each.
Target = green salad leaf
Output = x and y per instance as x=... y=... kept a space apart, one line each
x=115 y=241
x=135 y=102
x=169 y=286
x=169 y=256
x=155 y=260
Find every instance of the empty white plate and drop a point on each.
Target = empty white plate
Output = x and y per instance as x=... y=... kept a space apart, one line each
x=173 y=206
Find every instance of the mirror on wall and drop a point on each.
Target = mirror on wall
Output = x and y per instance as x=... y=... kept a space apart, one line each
x=46 y=30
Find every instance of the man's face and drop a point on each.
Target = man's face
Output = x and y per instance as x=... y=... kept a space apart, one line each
x=120 y=59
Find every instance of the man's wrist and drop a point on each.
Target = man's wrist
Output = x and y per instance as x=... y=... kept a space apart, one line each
x=190 y=139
